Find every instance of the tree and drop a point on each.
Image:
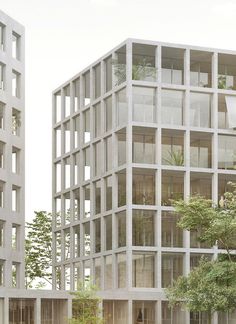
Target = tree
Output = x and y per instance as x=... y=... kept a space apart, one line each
x=86 y=305
x=38 y=251
x=211 y=286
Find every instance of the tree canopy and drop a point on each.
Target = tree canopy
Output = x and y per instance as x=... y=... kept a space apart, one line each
x=211 y=286
x=38 y=251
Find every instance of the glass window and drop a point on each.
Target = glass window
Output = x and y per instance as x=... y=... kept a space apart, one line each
x=97 y=81
x=201 y=184
x=172 y=268
x=76 y=85
x=97 y=120
x=87 y=201
x=108 y=232
x=171 y=234
x=227 y=152
x=58 y=246
x=143 y=269
x=97 y=272
x=143 y=188
x=2 y=194
x=86 y=116
x=226 y=71
x=67 y=209
x=200 y=109
x=115 y=310
x=58 y=211
x=108 y=74
x=173 y=315
x=145 y=312
x=2 y=37
x=67 y=101
x=16 y=122
x=143 y=147
x=22 y=310
x=58 y=141
x=15 y=45
x=67 y=244
x=143 y=226
x=15 y=237
x=200 y=69
x=76 y=197
x=121 y=107
x=87 y=239
x=172 y=187
x=2 y=115
x=121 y=177
x=15 y=198
x=144 y=101
x=58 y=107
x=15 y=160
x=76 y=231
x=97 y=235
x=108 y=113
x=108 y=272
x=200 y=150
x=86 y=86
x=108 y=188
x=172 y=65
x=1 y=233
x=76 y=162
x=119 y=65
x=87 y=163
x=2 y=78
x=77 y=275
x=58 y=176
x=121 y=270
x=108 y=152
x=172 y=148
x=97 y=162
x=172 y=107
x=76 y=127
x=16 y=84
x=1 y=275
x=143 y=67
x=121 y=138
x=87 y=271
x=97 y=187
x=121 y=229
x=67 y=172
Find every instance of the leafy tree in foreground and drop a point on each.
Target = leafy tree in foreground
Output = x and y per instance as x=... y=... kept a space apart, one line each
x=38 y=251
x=86 y=305
x=211 y=286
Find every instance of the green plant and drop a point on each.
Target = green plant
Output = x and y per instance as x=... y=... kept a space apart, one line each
x=143 y=70
x=175 y=157
x=86 y=305
x=211 y=286
x=16 y=123
x=222 y=82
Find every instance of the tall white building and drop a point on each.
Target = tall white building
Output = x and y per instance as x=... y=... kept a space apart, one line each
x=146 y=123
x=17 y=305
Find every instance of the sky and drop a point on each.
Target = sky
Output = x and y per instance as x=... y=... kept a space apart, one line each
x=63 y=37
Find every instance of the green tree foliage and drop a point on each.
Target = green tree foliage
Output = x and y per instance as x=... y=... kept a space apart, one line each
x=86 y=305
x=38 y=251
x=211 y=286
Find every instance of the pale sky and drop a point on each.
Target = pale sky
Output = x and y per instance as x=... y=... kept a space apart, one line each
x=64 y=36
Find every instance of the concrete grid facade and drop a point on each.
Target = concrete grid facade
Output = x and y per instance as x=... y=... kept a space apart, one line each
x=17 y=305
x=146 y=123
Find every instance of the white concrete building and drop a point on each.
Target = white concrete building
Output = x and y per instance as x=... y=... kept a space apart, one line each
x=146 y=123
x=17 y=305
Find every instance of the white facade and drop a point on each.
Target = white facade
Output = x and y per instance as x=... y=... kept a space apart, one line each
x=146 y=123
x=17 y=305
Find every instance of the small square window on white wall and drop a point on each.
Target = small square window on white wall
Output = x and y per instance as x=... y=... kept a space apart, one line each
x=15 y=46
x=15 y=198
x=2 y=76
x=2 y=37
x=15 y=84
